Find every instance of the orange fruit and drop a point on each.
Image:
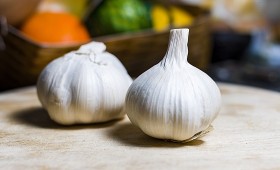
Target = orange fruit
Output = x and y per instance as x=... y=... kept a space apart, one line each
x=54 y=28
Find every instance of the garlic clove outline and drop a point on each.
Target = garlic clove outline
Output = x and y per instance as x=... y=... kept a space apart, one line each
x=173 y=100
x=84 y=86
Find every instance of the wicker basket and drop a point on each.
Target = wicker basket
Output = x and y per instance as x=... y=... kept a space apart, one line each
x=22 y=60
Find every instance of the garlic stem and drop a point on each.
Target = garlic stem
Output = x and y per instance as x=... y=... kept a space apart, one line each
x=177 y=52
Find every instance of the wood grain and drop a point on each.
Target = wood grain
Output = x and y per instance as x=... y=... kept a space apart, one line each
x=246 y=135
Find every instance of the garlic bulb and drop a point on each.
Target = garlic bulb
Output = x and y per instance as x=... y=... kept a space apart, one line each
x=84 y=86
x=173 y=100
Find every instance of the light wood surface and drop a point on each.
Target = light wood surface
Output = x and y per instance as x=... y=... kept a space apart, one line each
x=246 y=135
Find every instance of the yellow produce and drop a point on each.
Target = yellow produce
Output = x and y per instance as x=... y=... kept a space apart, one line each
x=160 y=17
x=180 y=17
x=173 y=16
x=77 y=8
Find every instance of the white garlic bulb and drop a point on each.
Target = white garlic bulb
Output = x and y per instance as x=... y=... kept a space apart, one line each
x=173 y=100
x=84 y=86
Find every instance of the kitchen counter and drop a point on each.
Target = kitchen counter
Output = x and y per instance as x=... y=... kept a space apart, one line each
x=246 y=135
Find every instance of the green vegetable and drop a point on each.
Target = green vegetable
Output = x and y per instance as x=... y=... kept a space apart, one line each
x=116 y=16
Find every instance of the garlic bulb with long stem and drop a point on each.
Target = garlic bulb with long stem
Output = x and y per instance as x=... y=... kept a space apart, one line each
x=84 y=86
x=173 y=100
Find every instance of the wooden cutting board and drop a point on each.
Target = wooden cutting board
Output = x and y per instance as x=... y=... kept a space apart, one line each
x=246 y=135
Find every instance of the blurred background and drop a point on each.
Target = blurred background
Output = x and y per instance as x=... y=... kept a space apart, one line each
x=234 y=41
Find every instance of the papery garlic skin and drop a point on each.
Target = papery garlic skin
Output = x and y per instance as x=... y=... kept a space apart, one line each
x=84 y=86
x=173 y=100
